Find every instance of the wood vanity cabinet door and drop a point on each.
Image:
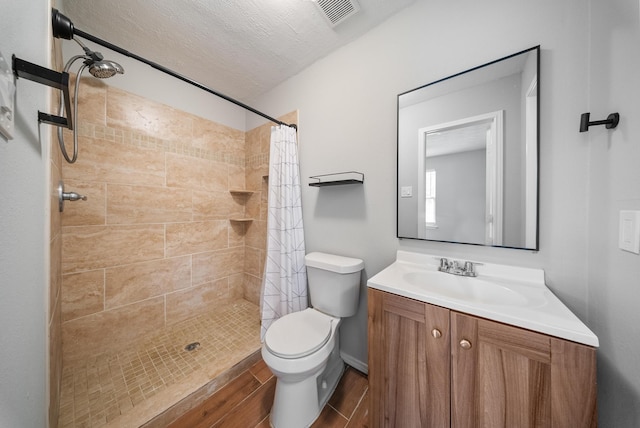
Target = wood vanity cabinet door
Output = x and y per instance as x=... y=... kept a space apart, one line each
x=504 y=376
x=409 y=362
x=574 y=391
x=501 y=375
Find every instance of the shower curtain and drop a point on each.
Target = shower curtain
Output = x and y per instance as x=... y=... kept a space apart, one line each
x=284 y=283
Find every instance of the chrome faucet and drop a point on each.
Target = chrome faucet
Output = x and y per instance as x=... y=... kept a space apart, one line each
x=455 y=267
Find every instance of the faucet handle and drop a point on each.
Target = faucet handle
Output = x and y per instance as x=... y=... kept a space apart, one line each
x=444 y=264
x=470 y=268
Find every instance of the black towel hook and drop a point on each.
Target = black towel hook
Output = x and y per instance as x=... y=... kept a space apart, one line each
x=611 y=122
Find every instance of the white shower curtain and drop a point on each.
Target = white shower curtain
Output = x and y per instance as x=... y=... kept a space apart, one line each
x=284 y=283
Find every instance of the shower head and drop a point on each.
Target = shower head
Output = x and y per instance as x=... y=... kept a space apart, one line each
x=98 y=66
x=105 y=69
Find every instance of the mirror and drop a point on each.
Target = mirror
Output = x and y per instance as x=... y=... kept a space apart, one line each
x=468 y=156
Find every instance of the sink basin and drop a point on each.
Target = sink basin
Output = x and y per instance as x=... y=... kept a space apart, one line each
x=511 y=295
x=472 y=290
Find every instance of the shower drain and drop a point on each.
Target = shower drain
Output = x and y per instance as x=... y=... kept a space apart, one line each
x=192 y=346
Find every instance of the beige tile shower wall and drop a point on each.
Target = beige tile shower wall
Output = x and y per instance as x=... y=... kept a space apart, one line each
x=153 y=244
x=257 y=179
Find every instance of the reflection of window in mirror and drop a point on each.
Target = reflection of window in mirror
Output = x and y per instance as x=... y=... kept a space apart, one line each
x=430 y=199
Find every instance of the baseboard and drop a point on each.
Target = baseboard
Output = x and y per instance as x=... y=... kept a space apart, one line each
x=355 y=363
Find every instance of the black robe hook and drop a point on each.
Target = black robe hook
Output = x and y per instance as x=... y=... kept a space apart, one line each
x=611 y=122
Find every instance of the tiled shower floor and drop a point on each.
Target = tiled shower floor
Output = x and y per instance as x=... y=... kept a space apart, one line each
x=143 y=380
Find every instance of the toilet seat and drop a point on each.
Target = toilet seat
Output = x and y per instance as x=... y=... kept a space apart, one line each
x=298 y=334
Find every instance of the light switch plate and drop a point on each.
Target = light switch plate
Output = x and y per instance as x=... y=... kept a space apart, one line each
x=406 y=191
x=629 y=235
x=7 y=91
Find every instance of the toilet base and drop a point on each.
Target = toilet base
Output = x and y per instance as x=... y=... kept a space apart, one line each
x=298 y=404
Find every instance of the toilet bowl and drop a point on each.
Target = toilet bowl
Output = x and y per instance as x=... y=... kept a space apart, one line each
x=302 y=349
x=298 y=349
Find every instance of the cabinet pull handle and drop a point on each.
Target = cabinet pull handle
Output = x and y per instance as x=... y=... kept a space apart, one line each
x=436 y=333
x=465 y=344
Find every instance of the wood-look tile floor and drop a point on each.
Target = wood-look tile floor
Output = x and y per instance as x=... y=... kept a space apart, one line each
x=246 y=402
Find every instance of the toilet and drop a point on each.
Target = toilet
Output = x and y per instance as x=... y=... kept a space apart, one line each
x=302 y=348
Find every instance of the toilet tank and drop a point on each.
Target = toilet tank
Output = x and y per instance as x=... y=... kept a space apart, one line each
x=334 y=283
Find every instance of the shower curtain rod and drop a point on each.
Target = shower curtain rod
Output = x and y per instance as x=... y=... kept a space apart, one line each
x=64 y=28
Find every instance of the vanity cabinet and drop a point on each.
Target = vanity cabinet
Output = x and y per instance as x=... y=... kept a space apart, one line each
x=434 y=367
x=409 y=362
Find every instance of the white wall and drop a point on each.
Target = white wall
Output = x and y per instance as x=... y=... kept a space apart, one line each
x=347 y=105
x=614 y=185
x=24 y=220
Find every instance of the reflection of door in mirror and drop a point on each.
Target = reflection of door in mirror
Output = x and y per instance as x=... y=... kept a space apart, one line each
x=461 y=180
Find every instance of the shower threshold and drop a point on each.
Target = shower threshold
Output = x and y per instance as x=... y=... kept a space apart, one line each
x=157 y=379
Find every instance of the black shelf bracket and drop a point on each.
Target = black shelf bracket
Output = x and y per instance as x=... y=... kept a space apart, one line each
x=54 y=79
x=611 y=122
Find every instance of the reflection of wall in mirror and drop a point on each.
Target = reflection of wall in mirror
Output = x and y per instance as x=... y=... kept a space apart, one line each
x=460 y=209
x=500 y=94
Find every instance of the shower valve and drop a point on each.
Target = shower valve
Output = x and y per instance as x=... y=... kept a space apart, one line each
x=67 y=196
x=72 y=196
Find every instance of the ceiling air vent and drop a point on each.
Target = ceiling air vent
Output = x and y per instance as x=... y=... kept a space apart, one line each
x=336 y=11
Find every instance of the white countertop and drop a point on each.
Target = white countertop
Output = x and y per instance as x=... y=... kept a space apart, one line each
x=511 y=295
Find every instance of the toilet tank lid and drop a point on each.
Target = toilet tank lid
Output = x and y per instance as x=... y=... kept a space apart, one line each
x=333 y=263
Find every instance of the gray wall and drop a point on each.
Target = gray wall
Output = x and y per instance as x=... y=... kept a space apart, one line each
x=590 y=59
x=24 y=222
x=613 y=183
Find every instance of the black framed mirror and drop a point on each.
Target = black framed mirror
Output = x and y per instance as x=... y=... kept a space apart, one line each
x=468 y=156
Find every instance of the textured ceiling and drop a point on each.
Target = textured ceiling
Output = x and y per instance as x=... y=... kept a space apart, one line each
x=241 y=48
